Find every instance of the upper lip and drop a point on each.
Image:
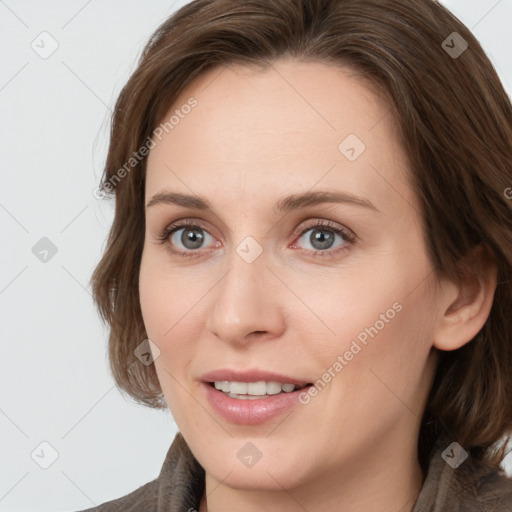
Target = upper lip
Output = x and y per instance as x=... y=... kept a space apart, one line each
x=254 y=375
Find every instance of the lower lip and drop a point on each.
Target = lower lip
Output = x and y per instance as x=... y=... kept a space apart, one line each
x=250 y=412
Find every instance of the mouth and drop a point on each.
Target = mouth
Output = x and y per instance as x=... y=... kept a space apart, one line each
x=255 y=390
x=251 y=396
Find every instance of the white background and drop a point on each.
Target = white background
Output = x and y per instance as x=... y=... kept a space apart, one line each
x=55 y=385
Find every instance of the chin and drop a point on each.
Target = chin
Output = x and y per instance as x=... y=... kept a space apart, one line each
x=271 y=474
x=255 y=479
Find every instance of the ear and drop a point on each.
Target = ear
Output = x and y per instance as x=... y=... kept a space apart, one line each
x=465 y=306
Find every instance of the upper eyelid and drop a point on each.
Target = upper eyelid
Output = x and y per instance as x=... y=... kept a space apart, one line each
x=306 y=212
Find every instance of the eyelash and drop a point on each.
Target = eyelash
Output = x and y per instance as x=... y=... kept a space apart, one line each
x=348 y=237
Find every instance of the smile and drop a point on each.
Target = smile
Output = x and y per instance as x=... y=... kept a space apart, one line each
x=251 y=407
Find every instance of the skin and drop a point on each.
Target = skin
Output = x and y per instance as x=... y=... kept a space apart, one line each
x=254 y=137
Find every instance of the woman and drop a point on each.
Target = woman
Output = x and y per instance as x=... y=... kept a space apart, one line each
x=311 y=255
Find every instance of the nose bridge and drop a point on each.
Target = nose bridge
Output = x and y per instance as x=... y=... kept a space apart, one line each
x=245 y=300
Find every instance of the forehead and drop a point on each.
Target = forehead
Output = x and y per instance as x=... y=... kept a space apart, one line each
x=293 y=126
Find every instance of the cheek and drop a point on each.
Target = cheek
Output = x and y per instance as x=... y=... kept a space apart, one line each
x=170 y=312
x=380 y=321
x=163 y=305
x=161 y=296
x=384 y=363
x=152 y=302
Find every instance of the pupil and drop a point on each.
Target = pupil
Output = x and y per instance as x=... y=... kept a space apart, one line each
x=191 y=239
x=318 y=237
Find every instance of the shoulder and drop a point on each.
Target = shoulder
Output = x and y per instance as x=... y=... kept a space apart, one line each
x=468 y=486
x=144 y=498
x=485 y=490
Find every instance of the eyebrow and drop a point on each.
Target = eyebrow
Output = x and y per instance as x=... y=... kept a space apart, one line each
x=283 y=205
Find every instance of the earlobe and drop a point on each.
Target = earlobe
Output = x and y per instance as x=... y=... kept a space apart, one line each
x=466 y=305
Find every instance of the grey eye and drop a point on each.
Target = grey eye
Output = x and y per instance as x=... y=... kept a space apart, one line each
x=191 y=238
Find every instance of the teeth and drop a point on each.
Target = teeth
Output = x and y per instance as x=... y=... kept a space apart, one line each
x=239 y=388
x=260 y=388
x=253 y=388
x=222 y=385
x=246 y=397
x=273 y=388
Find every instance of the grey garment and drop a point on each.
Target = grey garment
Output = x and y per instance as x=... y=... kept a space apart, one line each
x=467 y=488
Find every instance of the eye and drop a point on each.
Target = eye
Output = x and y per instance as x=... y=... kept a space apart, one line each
x=323 y=236
x=188 y=237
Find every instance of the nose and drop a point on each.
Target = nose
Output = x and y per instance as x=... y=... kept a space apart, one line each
x=247 y=302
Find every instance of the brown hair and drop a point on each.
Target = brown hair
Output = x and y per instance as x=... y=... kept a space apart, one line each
x=455 y=122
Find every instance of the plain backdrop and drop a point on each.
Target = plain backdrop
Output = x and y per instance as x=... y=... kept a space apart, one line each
x=59 y=406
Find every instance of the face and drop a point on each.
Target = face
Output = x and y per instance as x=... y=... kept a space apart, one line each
x=338 y=294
